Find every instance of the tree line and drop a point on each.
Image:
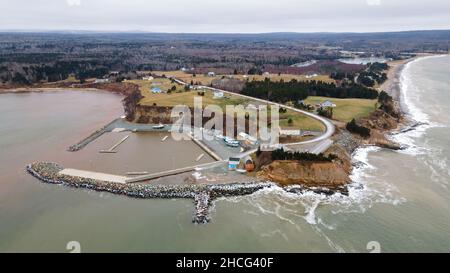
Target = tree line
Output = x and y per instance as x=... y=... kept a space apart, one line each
x=298 y=90
x=280 y=154
x=53 y=72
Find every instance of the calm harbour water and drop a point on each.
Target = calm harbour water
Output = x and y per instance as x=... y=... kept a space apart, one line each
x=399 y=199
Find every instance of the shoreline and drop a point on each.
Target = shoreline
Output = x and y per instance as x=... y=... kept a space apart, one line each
x=202 y=193
x=393 y=83
x=393 y=86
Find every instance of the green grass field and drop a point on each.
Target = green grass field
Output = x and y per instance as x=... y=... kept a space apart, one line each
x=300 y=121
x=182 y=97
x=347 y=109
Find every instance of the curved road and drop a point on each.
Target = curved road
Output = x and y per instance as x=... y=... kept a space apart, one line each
x=329 y=126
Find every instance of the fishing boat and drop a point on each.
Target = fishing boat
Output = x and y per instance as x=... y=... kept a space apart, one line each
x=231 y=142
x=159 y=126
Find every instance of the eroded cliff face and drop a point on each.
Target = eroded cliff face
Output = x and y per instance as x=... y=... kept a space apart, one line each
x=152 y=114
x=311 y=174
x=380 y=123
x=331 y=175
x=380 y=120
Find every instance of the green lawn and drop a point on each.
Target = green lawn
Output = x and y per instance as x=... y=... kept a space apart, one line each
x=347 y=109
x=300 y=121
x=182 y=97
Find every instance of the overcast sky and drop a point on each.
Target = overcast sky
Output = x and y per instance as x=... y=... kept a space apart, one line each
x=238 y=16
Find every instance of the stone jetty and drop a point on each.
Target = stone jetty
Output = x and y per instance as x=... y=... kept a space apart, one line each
x=98 y=133
x=202 y=203
x=202 y=194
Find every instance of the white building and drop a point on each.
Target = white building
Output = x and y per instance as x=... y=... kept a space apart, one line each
x=248 y=138
x=101 y=80
x=218 y=94
x=267 y=147
x=327 y=104
x=233 y=163
x=156 y=90
x=290 y=132
x=252 y=107
x=147 y=78
x=211 y=74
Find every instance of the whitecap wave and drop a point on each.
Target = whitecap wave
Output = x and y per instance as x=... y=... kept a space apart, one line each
x=411 y=95
x=411 y=99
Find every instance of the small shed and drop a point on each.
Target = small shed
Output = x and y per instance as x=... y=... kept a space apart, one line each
x=233 y=163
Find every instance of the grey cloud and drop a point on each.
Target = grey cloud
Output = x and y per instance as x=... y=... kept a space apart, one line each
x=226 y=16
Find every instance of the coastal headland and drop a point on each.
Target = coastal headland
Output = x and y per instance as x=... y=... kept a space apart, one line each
x=327 y=174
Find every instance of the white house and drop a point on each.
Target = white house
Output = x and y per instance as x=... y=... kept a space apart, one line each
x=327 y=104
x=218 y=94
x=156 y=90
x=309 y=76
x=101 y=80
x=252 y=107
x=147 y=78
x=290 y=132
x=211 y=74
x=266 y=147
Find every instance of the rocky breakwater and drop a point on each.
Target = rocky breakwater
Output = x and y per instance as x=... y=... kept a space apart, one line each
x=98 y=133
x=202 y=204
x=203 y=194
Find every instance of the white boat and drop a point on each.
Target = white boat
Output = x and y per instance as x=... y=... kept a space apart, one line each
x=159 y=126
x=241 y=171
x=231 y=142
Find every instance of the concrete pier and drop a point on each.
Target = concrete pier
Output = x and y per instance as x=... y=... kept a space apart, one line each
x=111 y=150
x=205 y=148
x=169 y=173
x=94 y=175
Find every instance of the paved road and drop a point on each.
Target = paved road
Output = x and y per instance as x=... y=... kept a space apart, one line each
x=329 y=126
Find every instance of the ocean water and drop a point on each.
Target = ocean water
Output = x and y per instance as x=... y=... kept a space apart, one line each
x=399 y=201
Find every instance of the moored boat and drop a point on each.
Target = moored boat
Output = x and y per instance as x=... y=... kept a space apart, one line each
x=159 y=126
x=231 y=142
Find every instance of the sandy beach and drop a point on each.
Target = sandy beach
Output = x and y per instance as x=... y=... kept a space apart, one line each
x=392 y=84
